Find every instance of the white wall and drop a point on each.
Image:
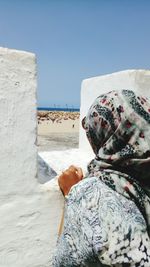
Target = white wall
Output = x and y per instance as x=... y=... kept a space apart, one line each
x=137 y=80
x=27 y=234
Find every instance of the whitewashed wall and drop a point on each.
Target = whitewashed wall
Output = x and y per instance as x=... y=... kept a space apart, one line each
x=27 y=231
x=137 y=80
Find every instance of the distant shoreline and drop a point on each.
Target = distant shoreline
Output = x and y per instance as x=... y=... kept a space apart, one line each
x=59 y=109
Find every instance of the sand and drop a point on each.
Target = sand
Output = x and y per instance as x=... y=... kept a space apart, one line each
x=58 y=130
x=57 y=121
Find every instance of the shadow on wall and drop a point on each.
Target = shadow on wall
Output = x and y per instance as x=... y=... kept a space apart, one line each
x=45 y=172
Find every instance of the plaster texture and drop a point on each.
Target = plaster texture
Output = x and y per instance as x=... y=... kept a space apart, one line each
x=27 y=210
x=137 y=80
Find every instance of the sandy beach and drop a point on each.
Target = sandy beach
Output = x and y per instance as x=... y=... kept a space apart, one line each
x=58 y=130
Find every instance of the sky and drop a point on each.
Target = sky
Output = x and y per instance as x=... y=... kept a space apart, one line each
x=76 y=39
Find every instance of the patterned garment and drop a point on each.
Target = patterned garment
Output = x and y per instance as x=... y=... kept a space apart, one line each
x=107 y=215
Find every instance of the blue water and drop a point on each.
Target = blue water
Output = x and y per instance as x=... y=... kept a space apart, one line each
x=59 y=109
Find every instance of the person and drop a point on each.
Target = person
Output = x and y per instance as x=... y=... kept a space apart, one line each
x=107 y=212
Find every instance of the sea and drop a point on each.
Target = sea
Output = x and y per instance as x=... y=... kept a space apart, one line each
x=68 y=109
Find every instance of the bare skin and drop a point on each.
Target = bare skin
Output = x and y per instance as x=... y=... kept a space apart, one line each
x=69 y=177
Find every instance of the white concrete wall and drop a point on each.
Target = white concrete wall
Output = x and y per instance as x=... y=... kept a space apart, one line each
x=27 y=231
x=137 y=80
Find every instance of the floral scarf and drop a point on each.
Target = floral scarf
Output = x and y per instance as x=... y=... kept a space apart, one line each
x=118 y=128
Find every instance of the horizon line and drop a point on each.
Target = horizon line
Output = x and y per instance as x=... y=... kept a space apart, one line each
x=59 y=108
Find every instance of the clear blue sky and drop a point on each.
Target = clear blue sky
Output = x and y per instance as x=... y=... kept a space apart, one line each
x=76 y=39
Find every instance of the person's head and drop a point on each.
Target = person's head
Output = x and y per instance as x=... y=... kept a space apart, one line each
x=118 y=128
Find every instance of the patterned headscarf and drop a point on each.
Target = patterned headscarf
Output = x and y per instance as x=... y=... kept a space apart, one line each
x=118 y=128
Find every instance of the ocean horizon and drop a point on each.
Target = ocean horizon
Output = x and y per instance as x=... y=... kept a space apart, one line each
x=69 y=109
